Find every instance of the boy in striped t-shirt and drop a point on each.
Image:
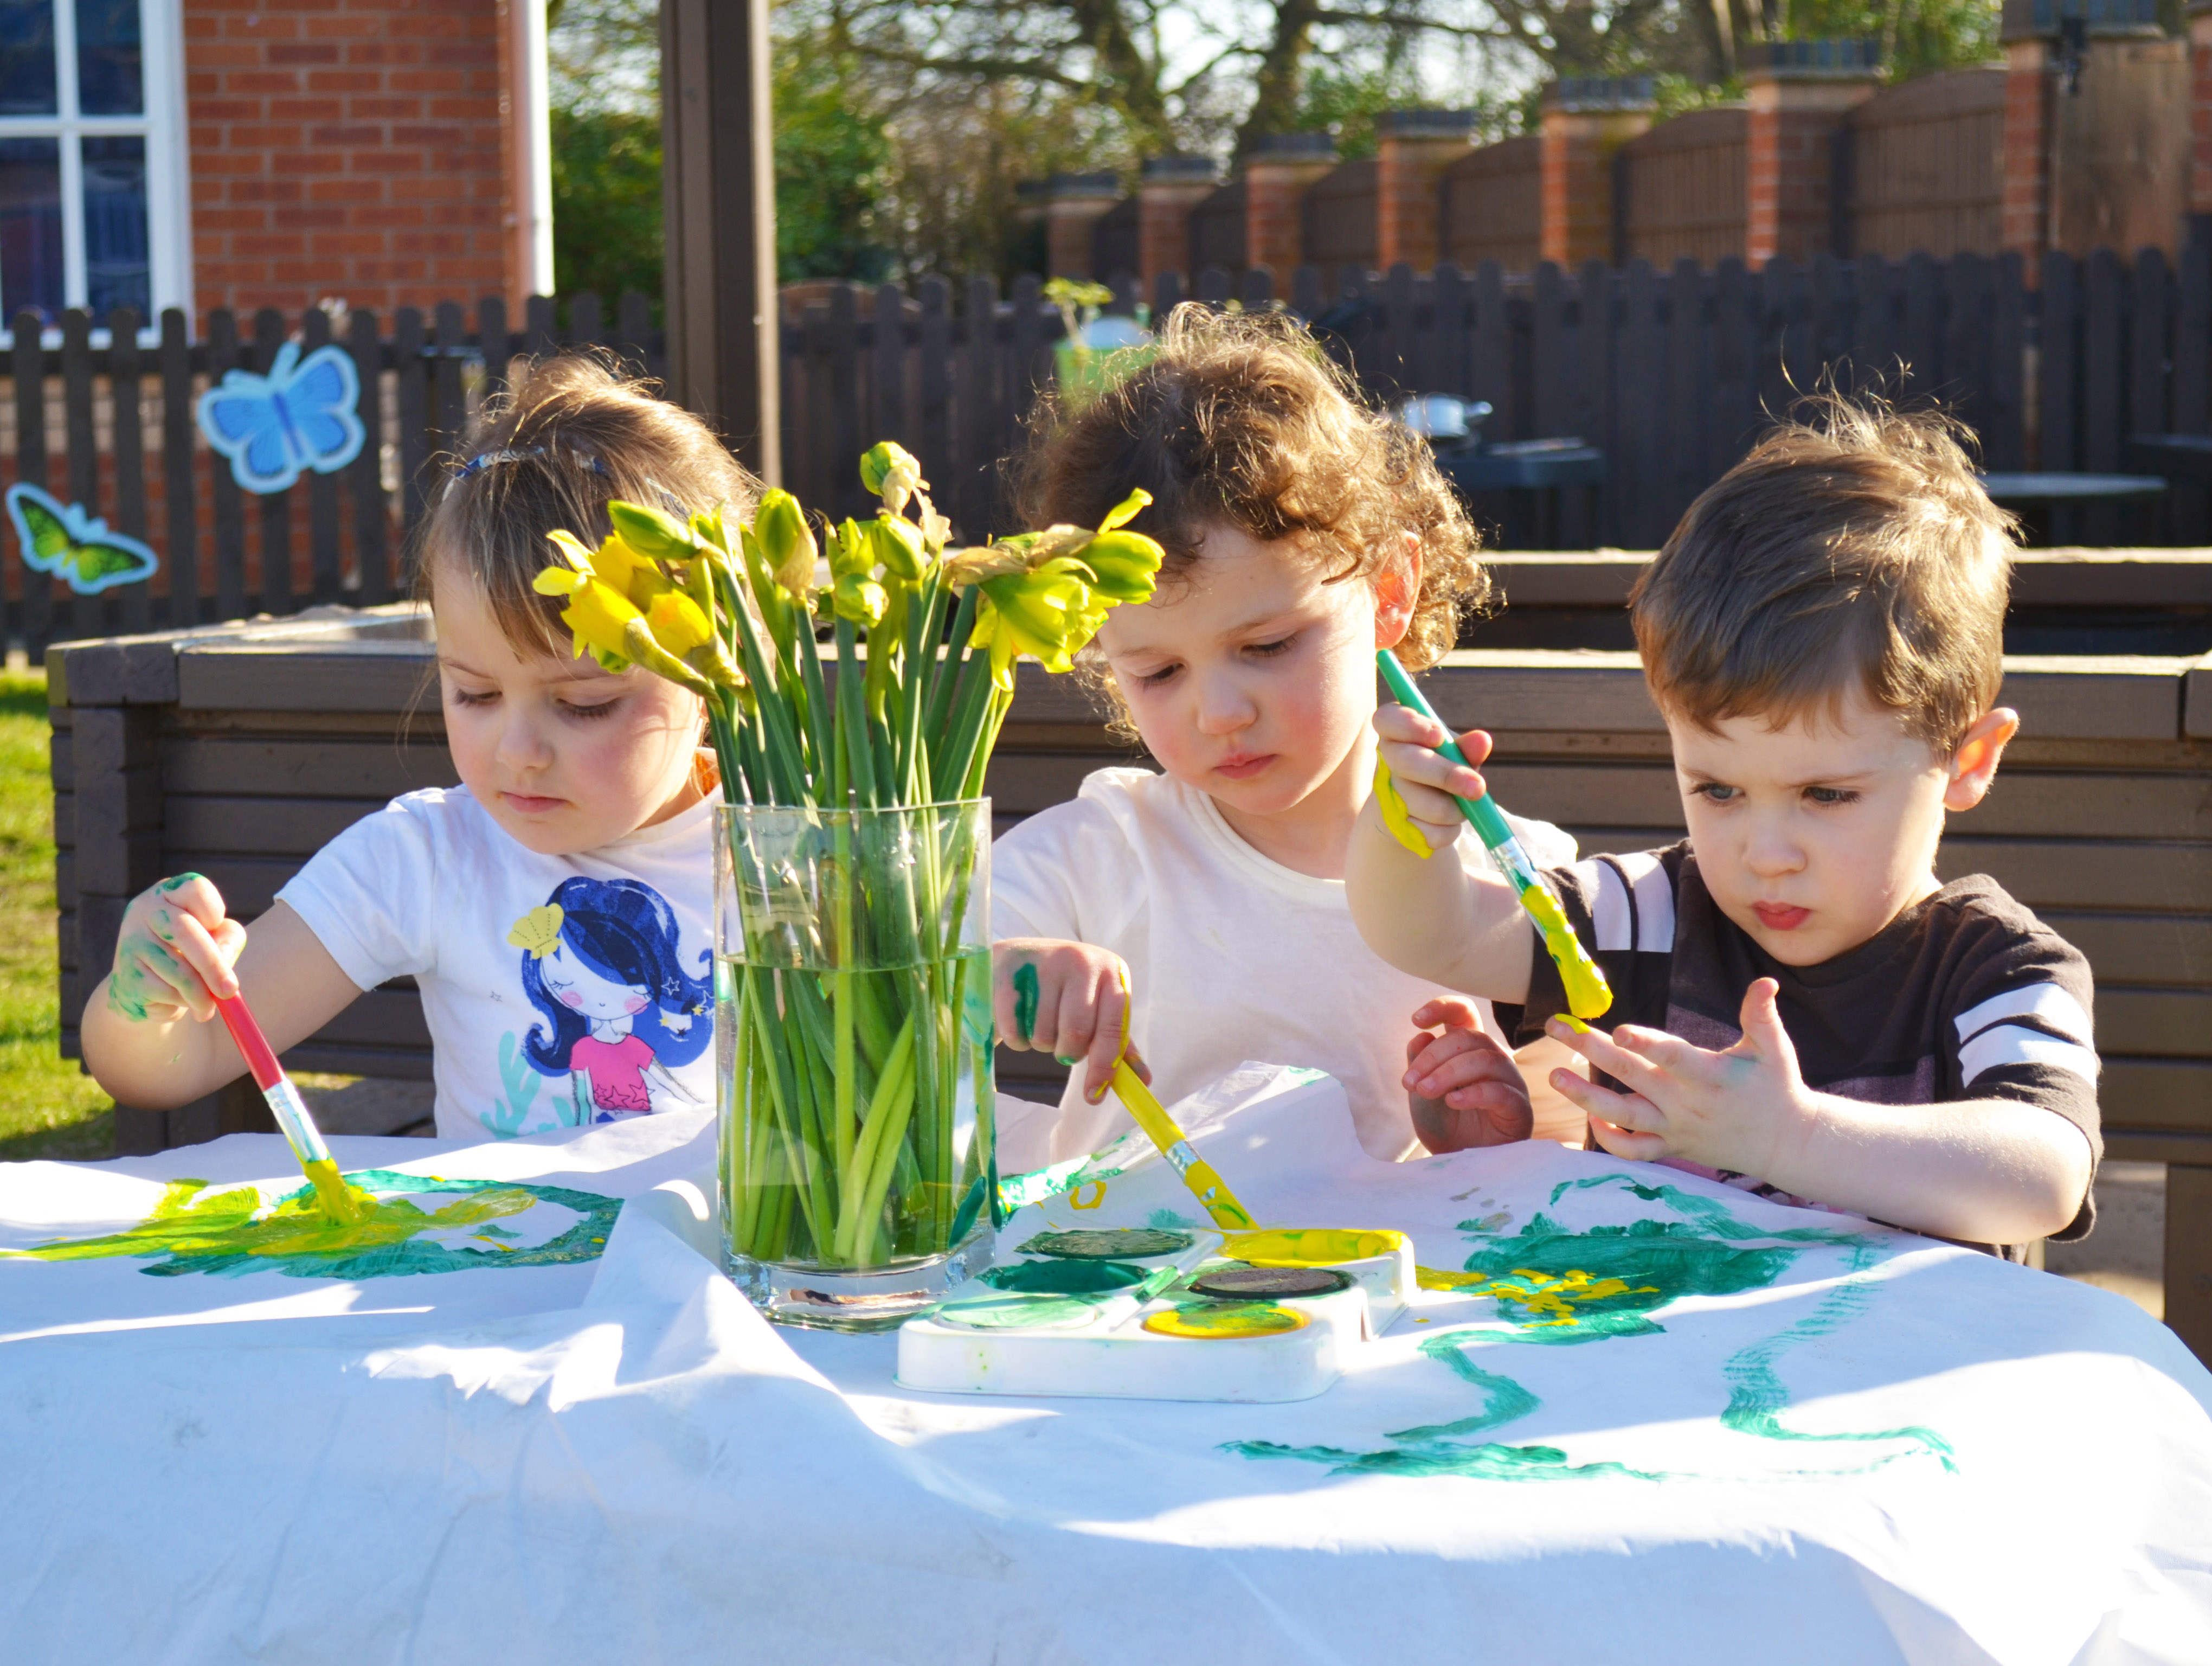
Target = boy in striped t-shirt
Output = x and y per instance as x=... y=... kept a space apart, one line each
x=1800 y=1006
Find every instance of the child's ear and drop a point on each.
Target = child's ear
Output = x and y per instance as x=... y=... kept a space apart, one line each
x=1974 y=765
x=1397 y=592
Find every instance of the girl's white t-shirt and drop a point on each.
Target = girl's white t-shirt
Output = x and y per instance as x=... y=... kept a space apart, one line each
x=559 y=990
x=1233 y=956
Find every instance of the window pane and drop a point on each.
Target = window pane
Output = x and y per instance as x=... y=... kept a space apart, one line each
x=30 y=228
x=116 y=271
x=27 y=57
x=108 y=76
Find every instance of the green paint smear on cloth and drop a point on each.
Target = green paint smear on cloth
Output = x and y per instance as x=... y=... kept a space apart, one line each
x=1567 y=1287
x=227 y=1233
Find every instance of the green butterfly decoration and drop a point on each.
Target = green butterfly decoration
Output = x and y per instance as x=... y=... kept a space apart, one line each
x=64 y=539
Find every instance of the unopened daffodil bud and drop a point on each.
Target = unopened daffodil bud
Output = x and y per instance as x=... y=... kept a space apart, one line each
x=652 y=533
x=787 y=540
x=858 y=598
x=897 y=545
x=891 y=471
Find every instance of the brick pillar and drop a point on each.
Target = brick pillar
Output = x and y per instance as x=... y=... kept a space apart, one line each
x=1277 y=171
x=2200 y=111
x=1798 y=100
x=1072 y=204
x=1586 y=120
x=1413 y=147
x=2027 y=151
x=1169 y=188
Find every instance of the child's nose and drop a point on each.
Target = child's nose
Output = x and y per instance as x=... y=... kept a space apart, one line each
x=1771 y=851
x=521 y=746
x=1223 y=707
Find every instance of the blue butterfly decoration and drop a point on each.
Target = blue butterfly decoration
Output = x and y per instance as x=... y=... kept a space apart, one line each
x=68 y=540
x=300 y=416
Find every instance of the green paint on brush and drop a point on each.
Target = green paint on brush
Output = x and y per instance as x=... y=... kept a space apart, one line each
x=229 y=1234
x=1027 y=994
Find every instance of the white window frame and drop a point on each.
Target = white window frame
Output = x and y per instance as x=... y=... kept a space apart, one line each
x=168 y=174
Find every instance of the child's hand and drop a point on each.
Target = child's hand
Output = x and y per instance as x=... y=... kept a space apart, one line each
x=1429 y=781
x=1744 y=1109
x=175 y=953
x=1465 y=1088
x=1066 y=998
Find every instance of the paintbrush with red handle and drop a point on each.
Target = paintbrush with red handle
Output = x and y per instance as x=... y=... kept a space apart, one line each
x=290 y=1110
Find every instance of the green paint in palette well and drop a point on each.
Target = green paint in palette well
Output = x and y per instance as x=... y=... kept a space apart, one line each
x=229 y=1233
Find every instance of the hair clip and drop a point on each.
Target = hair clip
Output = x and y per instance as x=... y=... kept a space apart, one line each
x=483 y=460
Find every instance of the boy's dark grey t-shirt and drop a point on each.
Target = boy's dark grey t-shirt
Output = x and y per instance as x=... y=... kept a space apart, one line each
x=1965 y=996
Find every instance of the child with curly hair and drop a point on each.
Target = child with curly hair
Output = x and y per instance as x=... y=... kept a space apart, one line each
x=1304 y=531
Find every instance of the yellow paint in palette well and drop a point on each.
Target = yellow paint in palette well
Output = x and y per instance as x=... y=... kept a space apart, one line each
x=1587 y=993
x=1225 y=1322
x=1310 y=1246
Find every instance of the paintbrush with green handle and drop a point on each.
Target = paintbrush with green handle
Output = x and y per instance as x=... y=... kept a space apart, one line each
x=1587 y=993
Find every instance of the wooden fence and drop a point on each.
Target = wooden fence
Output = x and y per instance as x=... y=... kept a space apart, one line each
x=112 y=427
x=1920 y=166
x=1670 y=373
x=1679 y=188
x=1492 y=205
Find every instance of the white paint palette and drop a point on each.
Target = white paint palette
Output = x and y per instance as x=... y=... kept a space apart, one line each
x=1150 y=1313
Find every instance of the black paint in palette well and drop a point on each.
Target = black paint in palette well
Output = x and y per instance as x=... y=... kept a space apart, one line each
x=1244 y=1284
x=1108 y=1244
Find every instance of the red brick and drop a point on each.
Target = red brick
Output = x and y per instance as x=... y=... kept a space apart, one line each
x=348 y=244
x=269 y=244
x=296 y=162
x=297 y=217
x=265 y=190
x=328 y=82
x=302 y=51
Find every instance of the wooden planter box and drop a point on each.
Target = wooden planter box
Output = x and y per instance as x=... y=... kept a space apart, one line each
x=240 y=751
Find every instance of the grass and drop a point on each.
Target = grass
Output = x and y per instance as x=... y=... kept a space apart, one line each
x=48 y=1107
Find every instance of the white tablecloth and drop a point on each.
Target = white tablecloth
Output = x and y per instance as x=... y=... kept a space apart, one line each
x=1854 y=1446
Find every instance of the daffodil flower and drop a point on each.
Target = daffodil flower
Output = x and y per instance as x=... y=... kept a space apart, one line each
x=615 y=565
x=891 y=471
x=597 y=615
x=1049 y=612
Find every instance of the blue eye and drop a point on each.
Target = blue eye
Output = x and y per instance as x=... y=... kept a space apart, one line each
x=1714 y=792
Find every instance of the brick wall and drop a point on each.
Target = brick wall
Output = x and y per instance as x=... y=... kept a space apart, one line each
x=346 y=148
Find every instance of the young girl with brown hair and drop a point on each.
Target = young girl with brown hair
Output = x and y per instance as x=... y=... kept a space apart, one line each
x=1304 y=531
x=554 y=909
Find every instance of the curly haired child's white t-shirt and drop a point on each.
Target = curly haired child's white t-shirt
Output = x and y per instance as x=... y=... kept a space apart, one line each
x=559 y=990
x=1233 y=956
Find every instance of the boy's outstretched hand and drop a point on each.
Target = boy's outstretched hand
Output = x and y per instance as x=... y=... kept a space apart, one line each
x=1064 y=998
x=1744 y=1109
x=1465 y=1088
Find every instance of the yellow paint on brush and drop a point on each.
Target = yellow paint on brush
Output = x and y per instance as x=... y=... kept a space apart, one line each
x=1309 y=1246
x=341 y=1202
x=1587 y=993
x=1225 y=1323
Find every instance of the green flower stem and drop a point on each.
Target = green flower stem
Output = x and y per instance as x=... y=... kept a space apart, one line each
x=867 y=1178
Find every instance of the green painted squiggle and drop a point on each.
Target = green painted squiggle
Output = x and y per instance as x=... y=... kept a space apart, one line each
x=228 y=1234
x=1472 y=1463
x=1507 y=1400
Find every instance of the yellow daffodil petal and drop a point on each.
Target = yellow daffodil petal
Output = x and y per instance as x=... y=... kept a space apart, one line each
x=559 y=581
x=596 y=616
x=572 y=551
x=1123 y=512
x=678 y=624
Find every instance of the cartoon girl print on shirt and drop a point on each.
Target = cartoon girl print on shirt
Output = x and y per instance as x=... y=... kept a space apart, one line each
x=603 y=963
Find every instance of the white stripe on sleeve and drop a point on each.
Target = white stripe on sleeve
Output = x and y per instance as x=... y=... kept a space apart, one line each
x=1655 y=903
x=2009 y=1043
x=1608 y=904
x=2045 y=1002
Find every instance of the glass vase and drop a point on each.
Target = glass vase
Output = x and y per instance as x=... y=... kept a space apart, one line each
x=853 y=1042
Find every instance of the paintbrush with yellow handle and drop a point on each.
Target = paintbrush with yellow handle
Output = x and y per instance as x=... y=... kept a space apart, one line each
x=1144 y=1108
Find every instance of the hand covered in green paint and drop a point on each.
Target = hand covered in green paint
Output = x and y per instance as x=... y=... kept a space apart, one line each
x=1465 y=1089
x=175 y=953
x=1067 y=999
x=1429 y=783
x=1746 y=1109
